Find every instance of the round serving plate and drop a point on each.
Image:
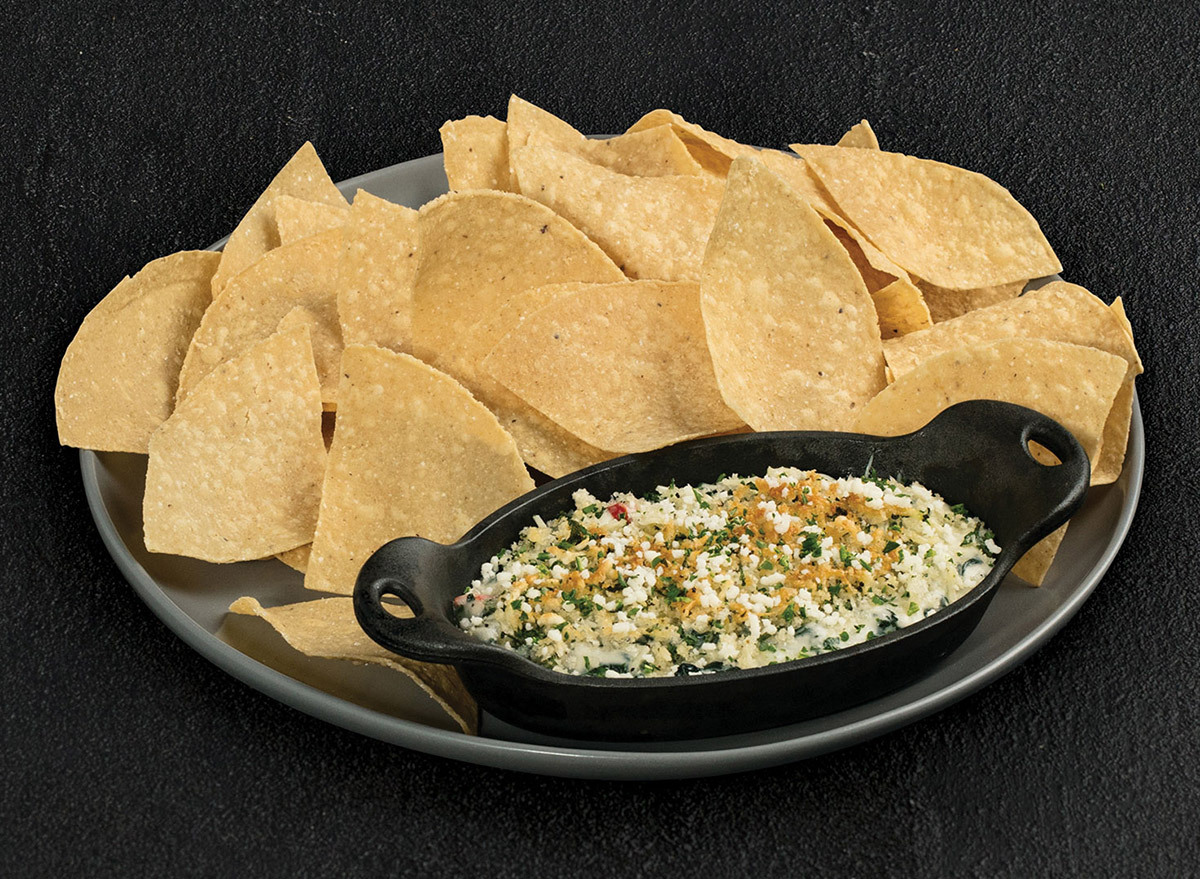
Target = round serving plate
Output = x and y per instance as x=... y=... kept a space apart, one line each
x=192 y=597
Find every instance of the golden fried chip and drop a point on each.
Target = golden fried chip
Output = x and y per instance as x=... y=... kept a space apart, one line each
x=652 y=227
x=1072 y=384
x=296 y=559
x=1116 y=437
x=475 y=153
x=624 y=366
x=713 y=152
x=1032 y=566
x=413 y=453
x=476 y=250
x=304 y=177
x=303 y=275
x=376 y=274
x=1059 y=311
x=296 y=218
x=543 y=444
x=952 y=227
x=876 y=269
x=327 y=629
x=792 y=330
x=901 y=309
x=653 y=152
x=861 y=136
x=1118 y=308
x=1116 y=429
x=235 y=472
x=118 y=376
x=945 y=304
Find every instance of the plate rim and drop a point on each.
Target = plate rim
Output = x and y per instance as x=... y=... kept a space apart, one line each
x=582 y=762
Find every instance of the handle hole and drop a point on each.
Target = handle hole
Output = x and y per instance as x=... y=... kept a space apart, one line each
x=395 y=604
x=1041 y=454
x=397 y=608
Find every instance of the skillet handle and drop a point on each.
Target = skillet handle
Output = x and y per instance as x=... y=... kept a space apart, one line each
x=990 y=439
x=420 y=573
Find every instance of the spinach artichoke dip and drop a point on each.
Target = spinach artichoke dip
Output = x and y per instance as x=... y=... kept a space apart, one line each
x=737 y=574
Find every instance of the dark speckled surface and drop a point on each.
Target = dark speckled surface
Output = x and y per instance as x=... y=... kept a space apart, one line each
x=132 y=132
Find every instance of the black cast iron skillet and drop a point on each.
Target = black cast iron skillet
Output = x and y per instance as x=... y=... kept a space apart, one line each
x=975 y=453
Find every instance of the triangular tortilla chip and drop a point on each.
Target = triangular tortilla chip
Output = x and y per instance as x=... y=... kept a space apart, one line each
x=544 y=445
x=303 y=274
x=475 y=154
x=235 y=472
x=376 y=274
x=118 y=376
x=860 y=136
x=1032 y=566
x=901 y=309
x=652 y=152
x=327 y=629
x=624 y=366
x=652 y=227
x=296 y=559
x=792 y=330
x=296 y=218
x=1059 y=311
x=952 y=227
x=1116 y=437
x=946 y=304
x=304 y=177
x=413 y=453
x=476 y=250
x=876 y=269
x=1072 y=384
x=714 y=152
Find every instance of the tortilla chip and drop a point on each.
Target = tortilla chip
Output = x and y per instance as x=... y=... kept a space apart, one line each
x=713 y=152
x=376 y=274
x=1116 y=437
x=1072 y=384
x=543 y=445
x=479 y=248
x=901 y=310
x=1116 y=429
x=235 y=472
x=952 y=227
x=413 y=453
x=876 y=269
x=118 y=376
x=653 y=152
x=1059 y=312
x=623 y=366
x=296 y=218
x=1118 y=308
x=1032 y=566
x=652 y=227
x=304 y=275
x=304 y=177
x=792 y=330
x=296 y=559
x=860 y=136
x=327 y=629
x=945 y=304
x=475 y=153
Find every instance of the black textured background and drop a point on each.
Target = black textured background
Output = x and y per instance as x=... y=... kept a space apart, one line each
x=128 y=132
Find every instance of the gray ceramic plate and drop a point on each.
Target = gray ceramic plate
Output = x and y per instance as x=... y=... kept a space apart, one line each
x=191 y=597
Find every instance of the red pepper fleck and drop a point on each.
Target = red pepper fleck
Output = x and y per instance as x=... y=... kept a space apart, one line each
x=618 y=511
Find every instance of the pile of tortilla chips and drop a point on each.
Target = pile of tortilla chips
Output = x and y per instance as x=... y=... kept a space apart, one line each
x=343 y=374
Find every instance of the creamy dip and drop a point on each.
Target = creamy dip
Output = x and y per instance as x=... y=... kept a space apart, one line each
x=736 y=574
